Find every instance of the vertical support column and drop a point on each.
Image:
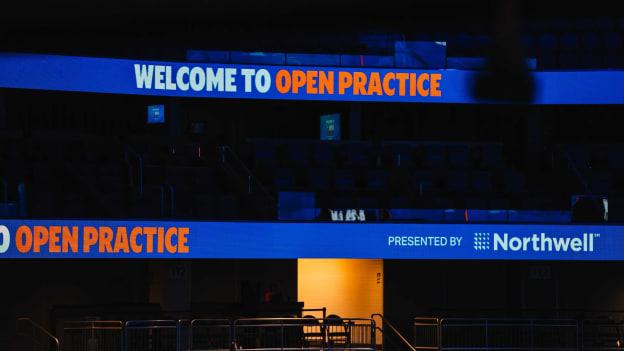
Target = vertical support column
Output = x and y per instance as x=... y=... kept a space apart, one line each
x=354 y=121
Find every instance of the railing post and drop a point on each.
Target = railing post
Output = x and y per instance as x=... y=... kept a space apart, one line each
x=282 y=335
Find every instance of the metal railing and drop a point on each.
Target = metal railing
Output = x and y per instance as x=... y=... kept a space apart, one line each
x=426 y=333
x=92 y=335
x=395 y=332
x=239 y=168
x=154 y=335
x=210 y=334
x=32 y=336
x=509 y=334
x=602 y=335
x=304 y=333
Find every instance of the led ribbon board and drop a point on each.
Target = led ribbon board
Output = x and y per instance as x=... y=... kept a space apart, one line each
x=159 y=239
x=191 y=79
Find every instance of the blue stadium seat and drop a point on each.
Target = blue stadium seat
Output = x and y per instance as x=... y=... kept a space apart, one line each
x=400 y=202
x=482 y=42
x=584 y=24
x=421 y=36
x=569 y=61
x=368 y=203
x=561 y=24
x=605 y=23
x=319 y=179
x=323 y=154
x=546 y=61
x=445 y=37
x=460 y=156
x=492 y=156
x=569 y=42
x=514 y=182
x=228 y=207
x=457 y=181
x=591 y=42
x=462 y=44
x=284 y=179
x=358 y=155
x=579 y=155
x=265 y=154
x=402 y=155
x=481 y=182
x=434 y=156
x=377 y=181
x=612 y=41
x=423 y=181
x=615 y=158
x=344 y=202
x=344 y=181
x=591 y=61
x=298 y=154
x=613 y=61
x=530 y=44
x=547 y=43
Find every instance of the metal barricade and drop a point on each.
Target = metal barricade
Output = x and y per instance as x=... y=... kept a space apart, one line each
x=304 y=334
x=153 y=335
x=602 y=334
x=426 y=333
x=509 y=334
x=210 y=334
x=92 y=336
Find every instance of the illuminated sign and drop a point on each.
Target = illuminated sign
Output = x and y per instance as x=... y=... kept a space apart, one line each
x=156 y=114
x=216 y=80
x=161 y=239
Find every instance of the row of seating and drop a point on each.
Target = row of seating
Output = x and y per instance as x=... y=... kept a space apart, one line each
x=389 y=155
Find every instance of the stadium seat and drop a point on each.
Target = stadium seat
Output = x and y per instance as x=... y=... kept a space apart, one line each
x=591 y=42
x=591 y=60
x=530 y=44
x=547 y=43
x=569 y=61
x=481 y=182
x=492 y=156
x=344 y=181
x=546 y=61
x=434 y=156
x=323 y=154
x=265 y=155
x=460 y=156
x=284 y=179
x=514 y=182
x=584 y=24
x=458 y=182
x=377 y=181
x=569 y=42
x=357 y=155
x=319 y=179
x=297 y=154
x=612 y=41
x=613 y=61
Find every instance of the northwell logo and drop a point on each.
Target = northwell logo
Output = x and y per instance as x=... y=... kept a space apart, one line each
x=535 y=242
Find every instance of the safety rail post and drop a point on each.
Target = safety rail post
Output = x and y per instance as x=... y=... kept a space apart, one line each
x=153 y=325
x=102 y=331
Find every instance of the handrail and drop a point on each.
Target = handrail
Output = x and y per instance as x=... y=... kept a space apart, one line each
x=42 y=329
x=384 y=320
x=577 y=172
x=250 y=176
